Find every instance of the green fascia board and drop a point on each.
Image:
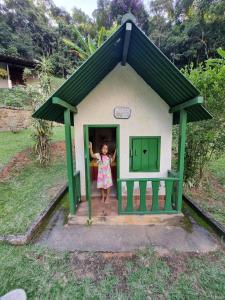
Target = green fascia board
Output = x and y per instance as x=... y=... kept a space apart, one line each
x=56 y=100
x=186 y=104
x=195 y=113
x=144 y=57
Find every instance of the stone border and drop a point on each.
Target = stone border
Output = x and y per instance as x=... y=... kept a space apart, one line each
x=36 y=224
x=215 y=225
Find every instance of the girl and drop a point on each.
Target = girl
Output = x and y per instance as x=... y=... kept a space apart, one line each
x=104 y=179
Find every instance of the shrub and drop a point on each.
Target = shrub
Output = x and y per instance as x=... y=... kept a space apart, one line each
x=206 y=139
x=18 y=96
x=3 y=73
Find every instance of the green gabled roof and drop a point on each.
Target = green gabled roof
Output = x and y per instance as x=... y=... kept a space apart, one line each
x=144 y=57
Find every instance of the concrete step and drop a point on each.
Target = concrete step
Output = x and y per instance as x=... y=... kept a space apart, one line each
x=161 y=219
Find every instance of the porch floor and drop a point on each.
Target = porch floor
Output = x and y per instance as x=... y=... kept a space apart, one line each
x=107 y=213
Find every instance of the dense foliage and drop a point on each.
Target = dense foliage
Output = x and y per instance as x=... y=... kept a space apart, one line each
x=32 y=29
x=185 y=30
x=86 y=46
x=17 y=97
x=206 y=140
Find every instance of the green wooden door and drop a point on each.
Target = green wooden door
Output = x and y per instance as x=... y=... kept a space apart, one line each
x=87 y=169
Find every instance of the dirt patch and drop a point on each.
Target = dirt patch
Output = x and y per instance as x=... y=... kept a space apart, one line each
x=20 y=160
x=98 y=265
x=111 y=255
x=23 y=158
x=58 y=148
x=177 y=264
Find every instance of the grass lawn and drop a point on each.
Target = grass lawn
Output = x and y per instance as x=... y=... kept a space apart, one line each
x=211 y=195
x=217 y=167
x=28 y=189
x=26 y=194
x=11 y=143
x=47 y=274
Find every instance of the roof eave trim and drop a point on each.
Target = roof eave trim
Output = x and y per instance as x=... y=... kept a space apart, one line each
x=189 y=103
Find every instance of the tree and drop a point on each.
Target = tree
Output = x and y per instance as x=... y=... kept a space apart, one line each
x=84 y=47
x=120 y=7
x=161 y=16
x=206 y=139
x=198 y=30
x=31 y=30
x=102 y=14
x=108 y=12
x=42 y=130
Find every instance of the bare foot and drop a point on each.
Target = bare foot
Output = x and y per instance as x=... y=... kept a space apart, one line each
x=102 y=200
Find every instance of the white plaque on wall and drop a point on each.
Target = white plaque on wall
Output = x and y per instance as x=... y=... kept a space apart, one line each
x=122 y=112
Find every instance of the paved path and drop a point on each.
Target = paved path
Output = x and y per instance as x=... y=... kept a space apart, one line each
x=120 y=238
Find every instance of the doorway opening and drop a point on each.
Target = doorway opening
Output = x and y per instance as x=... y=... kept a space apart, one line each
x=98 y=137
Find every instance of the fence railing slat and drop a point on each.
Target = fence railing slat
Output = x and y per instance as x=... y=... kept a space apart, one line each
x=142 y=187
x=155 y=195
x=168 y=187
x=130 y=188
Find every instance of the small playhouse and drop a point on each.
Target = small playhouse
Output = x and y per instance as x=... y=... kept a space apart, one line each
x=129 y=95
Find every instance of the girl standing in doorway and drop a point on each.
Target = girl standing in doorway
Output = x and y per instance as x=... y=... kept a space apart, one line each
x=104 y=179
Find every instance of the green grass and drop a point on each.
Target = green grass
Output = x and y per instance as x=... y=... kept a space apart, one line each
x=211 y=194
x=11 y=143
x=25 y=195
x=48 y=274
x=217 y=167
x=203 y=279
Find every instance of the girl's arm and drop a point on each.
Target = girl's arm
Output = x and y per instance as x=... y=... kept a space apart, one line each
x=91 y=151
x=114 y=156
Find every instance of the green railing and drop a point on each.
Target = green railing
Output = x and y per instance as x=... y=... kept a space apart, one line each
x=77 y=192
x=144 y=203
x=173 y=174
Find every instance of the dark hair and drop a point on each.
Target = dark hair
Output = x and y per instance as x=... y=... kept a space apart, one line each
x=102 y=145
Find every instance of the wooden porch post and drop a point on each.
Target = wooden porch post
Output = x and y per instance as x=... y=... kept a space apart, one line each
x=69 y=160
x=181 y=154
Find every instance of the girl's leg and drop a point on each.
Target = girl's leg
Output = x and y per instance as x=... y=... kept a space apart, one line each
x=107 y=195
x=102 y=195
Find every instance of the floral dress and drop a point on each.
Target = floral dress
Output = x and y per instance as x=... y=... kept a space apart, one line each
x=104 y=179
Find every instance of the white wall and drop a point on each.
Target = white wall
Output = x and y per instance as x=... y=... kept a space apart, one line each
x=149 y=116
x=3 y=83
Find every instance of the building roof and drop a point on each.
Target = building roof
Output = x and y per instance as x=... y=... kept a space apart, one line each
x=18 y=61
x=144 y=57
